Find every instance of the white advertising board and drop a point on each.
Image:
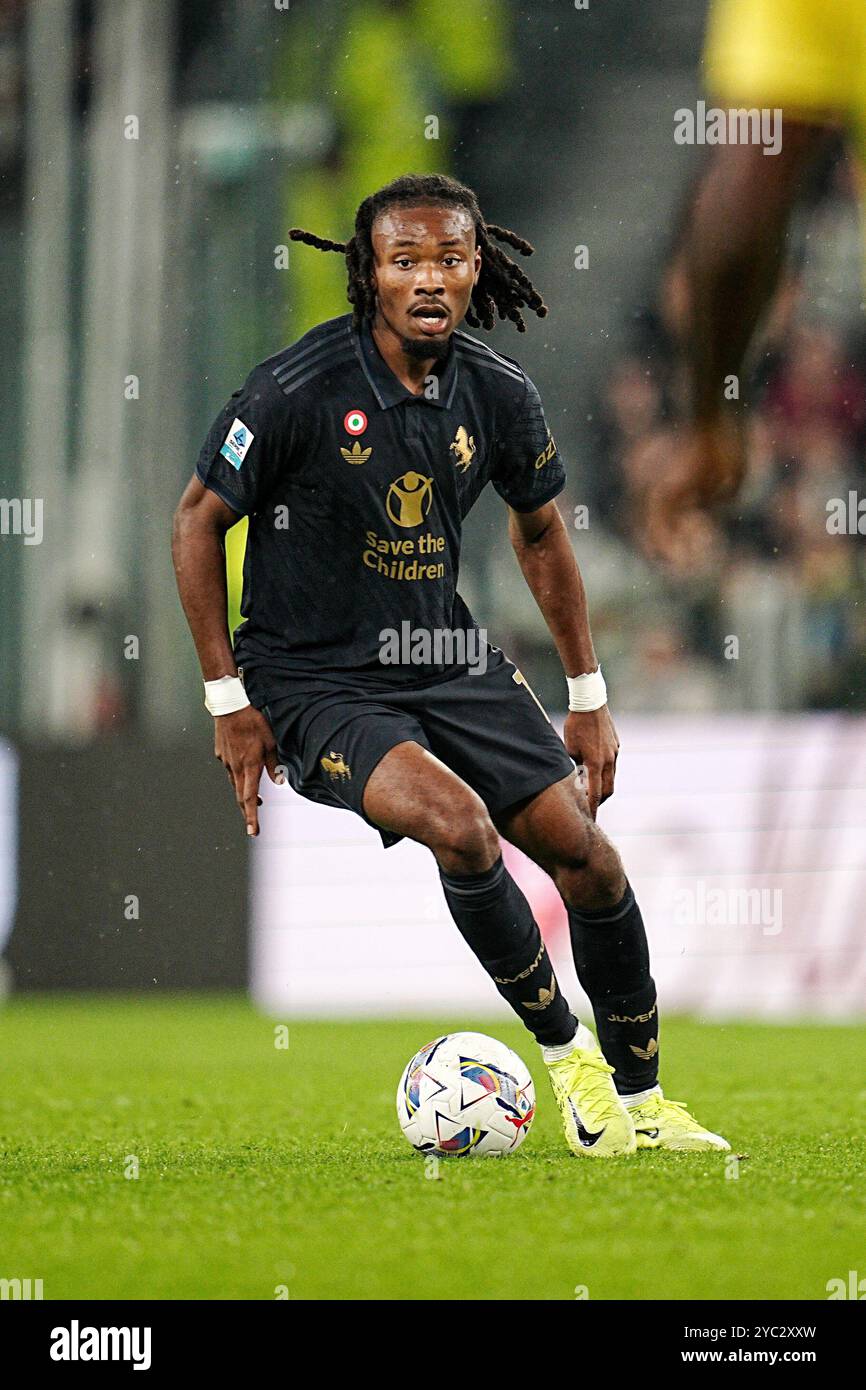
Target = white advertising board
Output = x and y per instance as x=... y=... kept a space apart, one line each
x=744 y=838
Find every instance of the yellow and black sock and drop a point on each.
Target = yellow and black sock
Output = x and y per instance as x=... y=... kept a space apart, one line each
x=496 y=922
x=611 y=957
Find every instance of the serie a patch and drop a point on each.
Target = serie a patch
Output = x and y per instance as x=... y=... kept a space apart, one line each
x=238 y=441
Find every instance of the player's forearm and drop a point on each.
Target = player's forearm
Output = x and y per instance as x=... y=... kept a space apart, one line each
x=199 y=565
x=551 y=571
x=732 y=268
x=733 y=258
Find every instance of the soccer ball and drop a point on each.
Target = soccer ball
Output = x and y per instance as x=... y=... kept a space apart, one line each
x=465 y=1093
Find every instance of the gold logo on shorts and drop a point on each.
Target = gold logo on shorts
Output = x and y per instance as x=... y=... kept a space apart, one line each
x=336 y=766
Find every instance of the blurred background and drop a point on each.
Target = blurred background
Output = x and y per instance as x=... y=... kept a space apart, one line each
x=153 y=154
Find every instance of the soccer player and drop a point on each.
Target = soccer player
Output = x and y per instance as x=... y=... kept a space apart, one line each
x=356 y=453
x=809 y=62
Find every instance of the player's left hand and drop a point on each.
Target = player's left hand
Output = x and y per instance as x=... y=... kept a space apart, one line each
x=590 y=738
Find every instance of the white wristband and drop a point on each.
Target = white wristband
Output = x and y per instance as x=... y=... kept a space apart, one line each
x=586 y=692
x=225 y=696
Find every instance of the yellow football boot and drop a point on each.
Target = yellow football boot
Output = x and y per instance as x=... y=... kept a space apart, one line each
x=667 y=1124
x=596 y=1123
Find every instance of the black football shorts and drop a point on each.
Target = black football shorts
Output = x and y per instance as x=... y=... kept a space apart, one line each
x=488 y=727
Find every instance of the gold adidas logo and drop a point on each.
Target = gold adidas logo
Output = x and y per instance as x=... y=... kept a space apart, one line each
x=646 y=1053
x=356 y=454
x=545 y=997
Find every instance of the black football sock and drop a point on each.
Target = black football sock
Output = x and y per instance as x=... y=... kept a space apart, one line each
x=611 y=957
x=496 y=922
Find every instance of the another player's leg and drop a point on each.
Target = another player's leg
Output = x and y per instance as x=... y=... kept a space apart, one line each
x=413 y=793
x=611 y=955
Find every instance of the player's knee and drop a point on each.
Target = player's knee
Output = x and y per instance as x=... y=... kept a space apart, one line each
x=590 y=874
x=464 y=838
x=574 y=855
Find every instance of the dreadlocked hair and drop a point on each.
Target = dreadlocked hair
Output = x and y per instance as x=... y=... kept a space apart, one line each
x=502 y=286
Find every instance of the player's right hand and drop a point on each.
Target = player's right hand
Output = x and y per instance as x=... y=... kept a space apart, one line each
x=705 y=471
x=244 y=743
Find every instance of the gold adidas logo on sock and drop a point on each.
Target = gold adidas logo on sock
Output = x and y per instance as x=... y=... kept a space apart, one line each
x=545 y=997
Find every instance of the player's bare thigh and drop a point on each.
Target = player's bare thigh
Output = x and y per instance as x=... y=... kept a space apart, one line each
x=412 y=793
x=556 y=830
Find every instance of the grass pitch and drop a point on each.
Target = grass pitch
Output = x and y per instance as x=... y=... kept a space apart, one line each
x=260 y=1167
